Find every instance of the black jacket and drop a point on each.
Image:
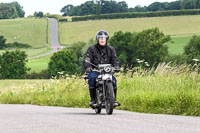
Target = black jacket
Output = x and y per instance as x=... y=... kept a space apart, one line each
x=101 y=55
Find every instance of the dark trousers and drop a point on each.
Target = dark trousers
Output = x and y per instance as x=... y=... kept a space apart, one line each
x=92 y=80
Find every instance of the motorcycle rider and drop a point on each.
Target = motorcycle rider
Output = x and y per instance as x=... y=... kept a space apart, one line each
x=100 y=53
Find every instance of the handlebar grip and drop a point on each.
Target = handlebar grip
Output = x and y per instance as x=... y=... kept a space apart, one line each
x=117 y=70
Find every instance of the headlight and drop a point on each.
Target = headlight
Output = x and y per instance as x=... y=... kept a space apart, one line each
x=107 y=69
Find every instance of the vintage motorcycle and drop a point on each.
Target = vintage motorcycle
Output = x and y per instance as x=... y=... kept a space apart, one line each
x=104 y=88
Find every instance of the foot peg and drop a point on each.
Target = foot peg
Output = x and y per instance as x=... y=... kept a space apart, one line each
x=116 y=104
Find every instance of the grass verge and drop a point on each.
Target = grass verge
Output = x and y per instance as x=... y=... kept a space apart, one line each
x=169 y=90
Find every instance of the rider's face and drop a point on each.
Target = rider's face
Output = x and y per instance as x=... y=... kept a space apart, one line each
x=102 y=41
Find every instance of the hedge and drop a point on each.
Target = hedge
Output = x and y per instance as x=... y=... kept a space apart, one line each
x=58 y=17
x=138 y=15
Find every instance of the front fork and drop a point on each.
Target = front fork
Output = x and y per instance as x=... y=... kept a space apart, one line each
x=103 y=84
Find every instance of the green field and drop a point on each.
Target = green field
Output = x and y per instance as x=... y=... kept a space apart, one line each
x=28 y=31
x=177 y=26
x=39 y=64
x=32 y=32
x=177 y=47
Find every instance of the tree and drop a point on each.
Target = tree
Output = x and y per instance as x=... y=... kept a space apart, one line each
x=123 y=6
x=19 y=9
x=158 y=6
x=63 y=61
x=2 y=42
x=95 y=7
x=38 y=14
x=176 y=5
x=138 y=8
x=188 y=4
x=98 y=9
x=11 y=10
x=13 y=65
x=66 y=10
x=80 y=49
x=197 y=4
x=192 y=49
x=120 y=42
x=148 y=45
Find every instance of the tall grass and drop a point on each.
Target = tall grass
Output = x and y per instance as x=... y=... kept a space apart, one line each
x=165 y=90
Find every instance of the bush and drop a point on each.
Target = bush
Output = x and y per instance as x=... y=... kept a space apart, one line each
x=56 y=16
x=63 y=20
x=13 y=65
x=192 y=49
x=17 y=45
x=41 y=75
x=148 y=45
x=2 y=42
x=80 y=49
x=64 y=61
x=175 y=59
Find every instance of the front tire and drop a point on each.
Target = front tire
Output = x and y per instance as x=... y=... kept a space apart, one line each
x=109 y=99
x=98 y=101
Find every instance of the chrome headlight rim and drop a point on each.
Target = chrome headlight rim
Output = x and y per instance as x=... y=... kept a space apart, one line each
x=107 y=69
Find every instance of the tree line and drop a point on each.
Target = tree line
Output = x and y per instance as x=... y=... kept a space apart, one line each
x=165 y=6
x=95 y=7
x=11 y=10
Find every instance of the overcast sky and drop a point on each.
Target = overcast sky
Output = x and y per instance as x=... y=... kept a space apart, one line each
x=54 y=6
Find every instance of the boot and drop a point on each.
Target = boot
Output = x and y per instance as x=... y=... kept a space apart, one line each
x=92 y=96
x=115 y=102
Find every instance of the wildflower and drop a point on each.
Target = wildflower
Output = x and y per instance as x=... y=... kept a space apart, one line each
x=61 y=73
x=196 y=60
x=147 y=64
x=140 y=61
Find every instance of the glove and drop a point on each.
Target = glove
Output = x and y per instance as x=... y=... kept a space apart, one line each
x=117 y=69
x=88 y=70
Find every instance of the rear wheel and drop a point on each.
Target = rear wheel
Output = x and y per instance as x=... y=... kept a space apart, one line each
x=109 y=99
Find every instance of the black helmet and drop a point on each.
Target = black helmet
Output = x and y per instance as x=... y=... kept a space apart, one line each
x=102 y=33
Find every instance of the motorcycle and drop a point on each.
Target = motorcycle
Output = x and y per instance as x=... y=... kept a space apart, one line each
x=105 y=97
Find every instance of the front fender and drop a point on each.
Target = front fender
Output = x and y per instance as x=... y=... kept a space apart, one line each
x=107 y=77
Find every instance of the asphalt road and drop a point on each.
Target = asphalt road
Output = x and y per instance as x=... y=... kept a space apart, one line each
x=43 y=119
x=54 y=39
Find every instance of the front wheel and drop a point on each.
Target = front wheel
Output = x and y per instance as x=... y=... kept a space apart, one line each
x=109 y=99
x=98 y=101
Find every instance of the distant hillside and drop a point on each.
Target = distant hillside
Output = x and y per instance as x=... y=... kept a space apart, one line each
x=180 y=27
x=28 y=31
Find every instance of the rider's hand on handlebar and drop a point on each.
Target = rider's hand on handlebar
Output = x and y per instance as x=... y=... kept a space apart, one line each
x=88 y=70
x=117 y=69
